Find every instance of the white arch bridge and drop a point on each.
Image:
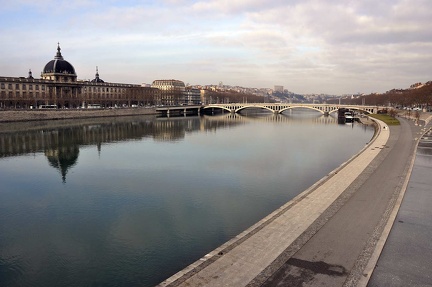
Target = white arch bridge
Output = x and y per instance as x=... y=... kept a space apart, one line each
x=281 y=107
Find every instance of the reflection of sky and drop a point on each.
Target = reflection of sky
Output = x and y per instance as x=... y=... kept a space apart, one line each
x=140 y=210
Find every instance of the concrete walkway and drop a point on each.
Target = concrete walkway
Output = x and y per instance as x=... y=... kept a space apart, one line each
x=301 y=244
x=406 y=257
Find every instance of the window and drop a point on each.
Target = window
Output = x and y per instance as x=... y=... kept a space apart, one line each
x=37 y=87
x=17 y=86
x=30 y=87
x=24 y=86
x=10 y=86
x=2 y=85
x=43 y=88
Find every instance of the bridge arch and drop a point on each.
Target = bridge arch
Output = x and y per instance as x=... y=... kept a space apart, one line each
x=301 y=107
x=220 y=107
x=253 y=107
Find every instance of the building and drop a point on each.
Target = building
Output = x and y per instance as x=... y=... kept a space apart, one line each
x=278 y=89
x=58 y=87
x=192 y=96
x=171 y=92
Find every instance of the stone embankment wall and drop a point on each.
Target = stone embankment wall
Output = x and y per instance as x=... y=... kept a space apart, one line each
x=39 y=115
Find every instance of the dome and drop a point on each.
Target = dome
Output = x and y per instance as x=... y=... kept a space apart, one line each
x=59 y=65
x=97 y=79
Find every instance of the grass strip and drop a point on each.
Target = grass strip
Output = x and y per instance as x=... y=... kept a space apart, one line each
x=389 y=120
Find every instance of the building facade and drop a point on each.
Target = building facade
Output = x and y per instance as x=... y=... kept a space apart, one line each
x=192 y=96
x=58 y=87
x=278 y=89
x=171 y=92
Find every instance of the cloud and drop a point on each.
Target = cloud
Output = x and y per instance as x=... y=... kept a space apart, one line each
x=308 y=46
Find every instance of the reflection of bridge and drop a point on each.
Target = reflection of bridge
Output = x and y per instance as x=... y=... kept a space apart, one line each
x=281 y=107
x=278 y=118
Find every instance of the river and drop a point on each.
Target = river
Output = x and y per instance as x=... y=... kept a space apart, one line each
x=131 y=201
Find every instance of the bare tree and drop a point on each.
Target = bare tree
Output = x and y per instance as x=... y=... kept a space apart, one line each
x=392 y=112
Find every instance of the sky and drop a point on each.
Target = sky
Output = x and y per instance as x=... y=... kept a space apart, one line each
x=308 y=46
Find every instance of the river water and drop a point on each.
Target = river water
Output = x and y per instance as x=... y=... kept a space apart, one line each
x=131 y=201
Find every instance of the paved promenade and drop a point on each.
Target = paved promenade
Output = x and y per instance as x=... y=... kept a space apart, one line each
x=323 y=237
x=406 y=257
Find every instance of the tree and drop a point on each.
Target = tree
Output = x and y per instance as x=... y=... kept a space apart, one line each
x=392 y=113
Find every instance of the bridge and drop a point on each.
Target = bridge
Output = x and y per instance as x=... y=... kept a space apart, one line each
x=278 y=108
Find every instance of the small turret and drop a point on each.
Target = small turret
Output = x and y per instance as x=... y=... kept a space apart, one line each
x=30 y=76
x=97 y=79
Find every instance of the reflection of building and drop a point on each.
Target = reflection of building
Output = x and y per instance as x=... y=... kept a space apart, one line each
x=61 y=144
x=59 y=87
x=63 y=158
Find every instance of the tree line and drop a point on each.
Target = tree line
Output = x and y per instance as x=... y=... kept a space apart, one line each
x=416 y=96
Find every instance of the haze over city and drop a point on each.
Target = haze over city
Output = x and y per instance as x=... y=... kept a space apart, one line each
x=333 y=47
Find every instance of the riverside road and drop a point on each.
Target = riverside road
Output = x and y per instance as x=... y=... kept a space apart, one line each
x=327 y=235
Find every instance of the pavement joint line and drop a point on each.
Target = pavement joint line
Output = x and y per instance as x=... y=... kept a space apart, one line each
x=275 y=233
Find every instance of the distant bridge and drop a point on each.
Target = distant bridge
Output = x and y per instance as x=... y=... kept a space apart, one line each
x=276 y=108
x=281 y=107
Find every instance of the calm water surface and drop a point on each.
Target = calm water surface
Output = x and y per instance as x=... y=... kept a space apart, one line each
x=131 y=201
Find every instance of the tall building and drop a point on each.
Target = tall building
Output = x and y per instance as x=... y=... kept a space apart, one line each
x=58 y=87
x=171 y=92
x=192 y=96
x=278 y=89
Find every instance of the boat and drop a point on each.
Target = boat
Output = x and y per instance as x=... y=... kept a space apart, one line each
x=349 y=116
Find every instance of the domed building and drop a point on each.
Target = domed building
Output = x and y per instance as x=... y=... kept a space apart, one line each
x=59 y=88
x=59 y=69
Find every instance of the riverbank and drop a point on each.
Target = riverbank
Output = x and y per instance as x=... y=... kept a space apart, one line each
x=300 y=243
x=252 y=257
x=40 y=115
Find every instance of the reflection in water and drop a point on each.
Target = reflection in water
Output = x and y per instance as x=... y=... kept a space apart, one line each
x=63 y=158
x=144 y=197
x=61 y=144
